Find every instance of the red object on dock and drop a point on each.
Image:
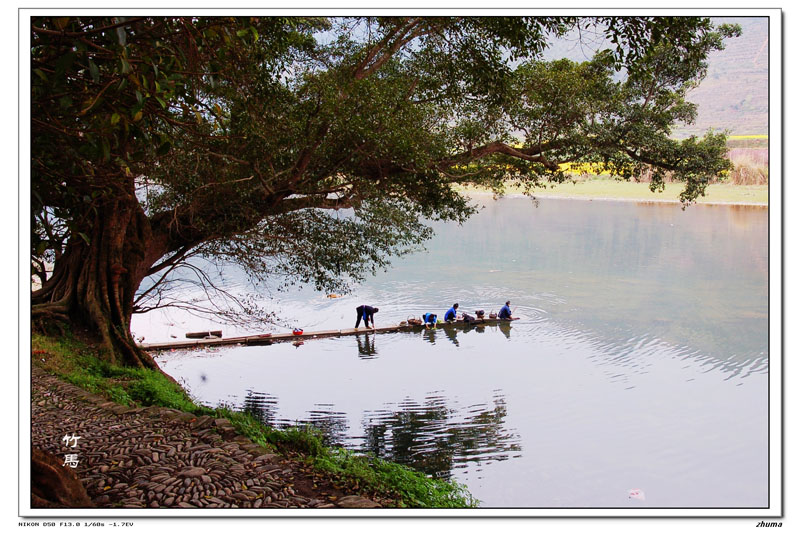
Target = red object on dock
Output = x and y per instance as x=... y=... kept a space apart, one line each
x=297 y=331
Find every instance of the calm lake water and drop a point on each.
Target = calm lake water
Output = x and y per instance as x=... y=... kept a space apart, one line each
x=640 y=360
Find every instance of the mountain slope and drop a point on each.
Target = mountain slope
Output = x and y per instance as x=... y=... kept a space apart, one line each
x=734 y=94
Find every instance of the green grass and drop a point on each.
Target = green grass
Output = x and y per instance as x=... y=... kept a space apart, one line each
x=79 y=364
x=599 y=188
x=414 y=488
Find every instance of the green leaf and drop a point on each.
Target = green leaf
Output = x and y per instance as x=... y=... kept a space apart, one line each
x=106 y=149
x=61 y=22
x=84 y=237
x=164 y=148
x=122 y=37
x=94 y=71
x=115 y=118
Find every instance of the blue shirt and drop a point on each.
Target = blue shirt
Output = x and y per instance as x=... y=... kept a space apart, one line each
x=429 y=318
x=450 y=314
x=505 y=312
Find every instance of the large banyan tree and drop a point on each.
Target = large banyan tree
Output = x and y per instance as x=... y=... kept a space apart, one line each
x=155 y=138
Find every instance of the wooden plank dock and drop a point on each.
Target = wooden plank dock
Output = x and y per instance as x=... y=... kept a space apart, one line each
x=255 y=340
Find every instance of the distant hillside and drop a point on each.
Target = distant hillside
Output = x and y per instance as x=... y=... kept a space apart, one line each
x=734 y=94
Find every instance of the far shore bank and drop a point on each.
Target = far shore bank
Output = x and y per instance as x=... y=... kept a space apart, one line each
x=623 y=191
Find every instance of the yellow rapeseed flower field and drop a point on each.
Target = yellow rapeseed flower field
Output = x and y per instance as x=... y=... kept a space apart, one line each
x=612 y=189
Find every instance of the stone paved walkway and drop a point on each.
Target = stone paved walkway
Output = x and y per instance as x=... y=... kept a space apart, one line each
x=163 y=458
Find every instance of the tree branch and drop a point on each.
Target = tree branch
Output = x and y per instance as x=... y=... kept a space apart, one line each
x=88 y=32
x=498 y=148
x=415 y=29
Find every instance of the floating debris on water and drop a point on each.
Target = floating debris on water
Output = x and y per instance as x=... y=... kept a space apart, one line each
x=636 y=494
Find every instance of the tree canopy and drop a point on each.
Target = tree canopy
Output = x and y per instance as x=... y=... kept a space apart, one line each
x=311 y=148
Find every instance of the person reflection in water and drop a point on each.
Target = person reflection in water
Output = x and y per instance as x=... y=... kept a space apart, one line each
x=451 y=334
x=366 y=345
x=429 y=335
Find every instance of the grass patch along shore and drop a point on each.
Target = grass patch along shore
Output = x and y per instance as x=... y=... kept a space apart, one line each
x=611 y=189
x=76 y=362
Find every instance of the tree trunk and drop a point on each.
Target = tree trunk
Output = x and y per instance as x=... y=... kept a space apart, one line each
x=95 y=280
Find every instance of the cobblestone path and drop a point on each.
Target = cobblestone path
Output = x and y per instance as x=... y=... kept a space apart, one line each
x=163 y=458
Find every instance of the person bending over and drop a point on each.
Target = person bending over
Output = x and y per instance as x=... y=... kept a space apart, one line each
x=367 y=313
x=429 y=319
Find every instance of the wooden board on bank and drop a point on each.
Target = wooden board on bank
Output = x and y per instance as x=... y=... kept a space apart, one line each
x=254 y=340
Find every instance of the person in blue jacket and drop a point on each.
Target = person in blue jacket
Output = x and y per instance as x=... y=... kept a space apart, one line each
x=429 y=319
x=451 y=313
x=367 y=313
x=505 y=312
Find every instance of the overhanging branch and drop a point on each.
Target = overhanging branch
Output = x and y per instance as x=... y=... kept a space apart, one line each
x=498 y=148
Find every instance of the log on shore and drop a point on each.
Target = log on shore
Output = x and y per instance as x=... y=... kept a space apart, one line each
x=204 y=334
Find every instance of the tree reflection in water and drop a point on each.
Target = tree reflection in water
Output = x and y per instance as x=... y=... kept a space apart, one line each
x=260 y=405
x=430 y=438
x=332 y=425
